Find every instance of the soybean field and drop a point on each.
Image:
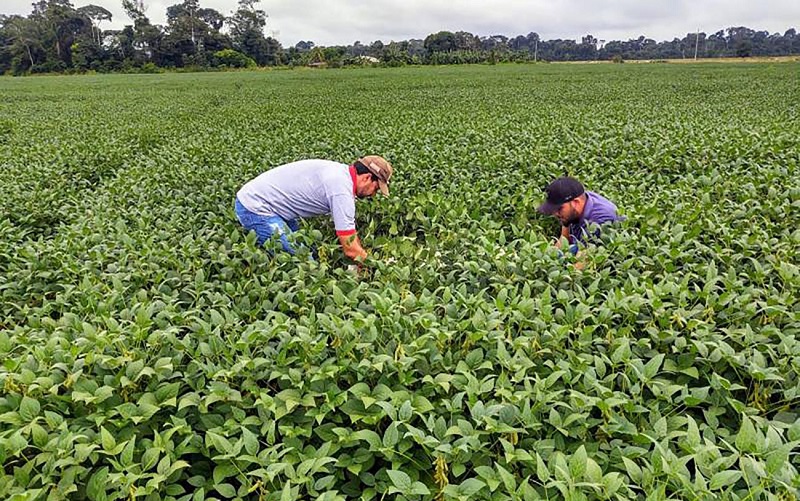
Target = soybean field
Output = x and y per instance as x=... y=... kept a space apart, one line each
x=150 y=351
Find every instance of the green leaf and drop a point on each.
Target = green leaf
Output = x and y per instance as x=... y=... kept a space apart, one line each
x=189 y=400
x=419 y=489
x=541 y=469
x=29 y=408
x=163 y=466
x=779 y=457
x=338 y=296
x=794 y=431
x=509 y=482
x=150 y=458
x=593 y=472
x=404 y=414
x=223 y=471
x=577 y=463
x=692 y=433
x=369 y=436
x=724 y=479
x=219 y=442
x=250 y=439
x=225 y=490
x=166 y=394
x=291 y=398
x=753 y=469
x=53 y=420
x=39 y=434
x=651 y=367
x=746 y=438
x=287 y=493
x=422 y=405
x=401 y=481
x=391 y=436
x=612 y=483
x=623 y=352
x=661 y=428
x=5 y=343
x=97 y=483
x=324 y=483
x=107 y=440
x=470 y=486
x=126 y=458
x=634 y=471
x=133 y=369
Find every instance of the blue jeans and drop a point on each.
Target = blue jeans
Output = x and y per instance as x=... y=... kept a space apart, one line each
x=266 y=226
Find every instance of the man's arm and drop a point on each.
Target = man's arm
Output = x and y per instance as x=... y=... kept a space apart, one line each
x=564 y=234
x=351 y=245
x=343 y=211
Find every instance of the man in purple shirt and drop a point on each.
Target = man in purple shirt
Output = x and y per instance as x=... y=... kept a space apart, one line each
x=575 y=207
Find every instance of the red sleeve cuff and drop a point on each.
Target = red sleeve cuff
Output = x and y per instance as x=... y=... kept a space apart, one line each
x=346 y=233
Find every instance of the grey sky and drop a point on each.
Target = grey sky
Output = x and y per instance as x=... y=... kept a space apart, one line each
x=335 y=22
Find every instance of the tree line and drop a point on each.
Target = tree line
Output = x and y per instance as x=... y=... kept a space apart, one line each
x=59 y=37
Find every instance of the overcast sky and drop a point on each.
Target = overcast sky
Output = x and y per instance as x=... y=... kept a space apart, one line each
x=342 y=22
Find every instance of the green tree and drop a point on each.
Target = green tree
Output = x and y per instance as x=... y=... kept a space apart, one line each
x=95 y=14
x=25 y=48
x=146 y=36
x=87 y=49
x=587 y=50
x=121 y=44
x=304 y=46
x=247 y=34
x=232 y=59
x=58 y=25
x=443 y=41
x=494 y=42
x=191 y=33
x=740 y=40
x=466 y=41
x=376 y=49
x=5 y=47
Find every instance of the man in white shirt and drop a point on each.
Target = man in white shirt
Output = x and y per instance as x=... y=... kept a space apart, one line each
x=273 y=202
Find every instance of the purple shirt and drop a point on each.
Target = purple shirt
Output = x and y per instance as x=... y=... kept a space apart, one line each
x=598 y=210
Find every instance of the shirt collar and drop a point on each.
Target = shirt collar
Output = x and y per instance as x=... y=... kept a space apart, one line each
x=353 y=177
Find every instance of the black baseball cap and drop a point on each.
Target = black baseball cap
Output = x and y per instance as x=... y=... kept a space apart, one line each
x=559 y=192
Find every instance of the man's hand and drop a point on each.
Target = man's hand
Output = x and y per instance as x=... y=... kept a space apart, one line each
x=351 y=246
x=564 y=233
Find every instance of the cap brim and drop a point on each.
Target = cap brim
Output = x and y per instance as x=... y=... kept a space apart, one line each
x=548 y=208
x=384 y=188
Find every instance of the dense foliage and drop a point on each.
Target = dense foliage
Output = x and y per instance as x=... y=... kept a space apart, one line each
x=150 y=351
x=59 y=37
